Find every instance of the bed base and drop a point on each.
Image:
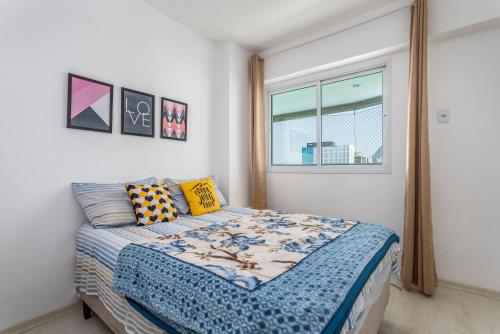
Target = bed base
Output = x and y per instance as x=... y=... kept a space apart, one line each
x=370 y=324
x=373 y=319
x=93 y=305
x=87 y=311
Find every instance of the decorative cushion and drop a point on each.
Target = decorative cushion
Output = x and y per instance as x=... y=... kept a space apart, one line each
x=178 y=196
x=152 y=203
x=201 y=196
x=106 y=204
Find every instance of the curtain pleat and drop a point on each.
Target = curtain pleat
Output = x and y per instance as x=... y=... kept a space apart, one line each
x=418 y=266
x=259 y=187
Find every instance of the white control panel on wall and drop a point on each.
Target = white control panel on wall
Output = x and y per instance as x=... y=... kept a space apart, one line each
x=443 y=116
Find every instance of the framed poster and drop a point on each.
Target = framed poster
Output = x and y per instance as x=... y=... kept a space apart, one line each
x=173 y=119
x=90 y=104
x=138 y=110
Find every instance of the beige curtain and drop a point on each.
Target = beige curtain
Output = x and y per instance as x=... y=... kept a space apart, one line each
x=259 y=188
x=418 y=267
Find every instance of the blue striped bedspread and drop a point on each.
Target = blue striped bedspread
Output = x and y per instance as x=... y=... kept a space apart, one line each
x=316 y=295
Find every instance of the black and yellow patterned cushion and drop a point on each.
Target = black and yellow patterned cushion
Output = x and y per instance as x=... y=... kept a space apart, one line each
x=152 y=203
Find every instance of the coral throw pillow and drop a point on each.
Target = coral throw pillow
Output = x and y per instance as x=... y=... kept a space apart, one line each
x=152 y=203
x=201 y=196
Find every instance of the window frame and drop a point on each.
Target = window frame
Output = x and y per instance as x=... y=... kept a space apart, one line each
x=317 y=80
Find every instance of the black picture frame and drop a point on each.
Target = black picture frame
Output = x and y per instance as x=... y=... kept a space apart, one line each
x=124 y=131
x=69 y=123
x=185 y=119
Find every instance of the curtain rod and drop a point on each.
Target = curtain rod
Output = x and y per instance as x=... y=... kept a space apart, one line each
x=343 y=27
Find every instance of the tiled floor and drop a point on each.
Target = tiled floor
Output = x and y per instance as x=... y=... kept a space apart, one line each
x=448 y=311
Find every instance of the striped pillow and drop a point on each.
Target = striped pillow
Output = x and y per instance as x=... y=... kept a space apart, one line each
x=178 y=196
x=106 y=204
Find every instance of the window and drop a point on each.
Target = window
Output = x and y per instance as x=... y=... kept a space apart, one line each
x=294 y=126
x=345 y=116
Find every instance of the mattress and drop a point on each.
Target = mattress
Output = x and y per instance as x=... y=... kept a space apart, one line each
x=98 y=251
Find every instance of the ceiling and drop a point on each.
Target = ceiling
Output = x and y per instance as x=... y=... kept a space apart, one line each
x=261 y=24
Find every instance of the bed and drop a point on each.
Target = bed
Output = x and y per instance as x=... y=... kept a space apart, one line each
x=238 y=270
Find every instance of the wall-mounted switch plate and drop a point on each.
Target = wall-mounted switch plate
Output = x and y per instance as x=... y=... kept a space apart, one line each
x=443 y=116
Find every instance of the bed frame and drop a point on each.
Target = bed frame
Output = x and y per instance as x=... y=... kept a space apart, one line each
x=370 y=324
x=93 y=305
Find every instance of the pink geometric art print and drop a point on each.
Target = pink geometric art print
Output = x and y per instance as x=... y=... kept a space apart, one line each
x=90 y=104
x=173 y=119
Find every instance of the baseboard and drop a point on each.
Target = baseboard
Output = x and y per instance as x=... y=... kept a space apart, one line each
x=396 y=281
x=42 y=320
x=469 y=289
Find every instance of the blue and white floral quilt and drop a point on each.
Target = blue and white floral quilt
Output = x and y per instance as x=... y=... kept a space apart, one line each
x=260 y=271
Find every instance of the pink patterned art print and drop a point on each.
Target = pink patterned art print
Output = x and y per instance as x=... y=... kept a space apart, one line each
x=173 y=119
x=90 y=104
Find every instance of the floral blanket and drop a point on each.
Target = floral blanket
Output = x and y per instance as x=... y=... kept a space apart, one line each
x=252 y=249
x=248 y=271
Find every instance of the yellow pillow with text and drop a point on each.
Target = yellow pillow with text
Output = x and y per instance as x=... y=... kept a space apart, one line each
x=201 y=196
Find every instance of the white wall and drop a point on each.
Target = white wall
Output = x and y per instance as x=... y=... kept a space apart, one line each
x=353 y=42
x=449 y=15
x=239 y=127
x=123 y=42
x=463 y=75
x=382 y=35
x=220 y=117
x=232 y=122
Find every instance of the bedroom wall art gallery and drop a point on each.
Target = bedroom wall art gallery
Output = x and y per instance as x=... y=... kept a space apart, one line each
x=90 y=107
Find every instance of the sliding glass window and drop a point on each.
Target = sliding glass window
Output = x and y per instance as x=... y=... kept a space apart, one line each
x=345 y=116
x=352 y=121
x=294 y=117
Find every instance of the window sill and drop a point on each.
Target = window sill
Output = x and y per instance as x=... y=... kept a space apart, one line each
x=330 y=169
